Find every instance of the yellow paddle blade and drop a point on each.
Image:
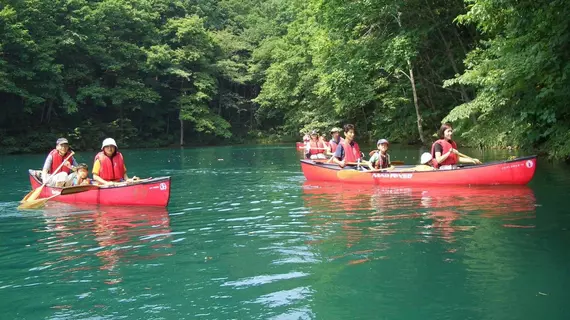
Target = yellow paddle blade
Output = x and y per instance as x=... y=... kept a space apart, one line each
x=34 y=204
x=34 y=194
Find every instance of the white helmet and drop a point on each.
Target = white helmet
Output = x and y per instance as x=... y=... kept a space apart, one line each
x=109 y=142
x=426 y=157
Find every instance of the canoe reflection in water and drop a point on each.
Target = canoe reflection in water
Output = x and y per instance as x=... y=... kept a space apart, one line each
x=115 y=235
x=361 y=213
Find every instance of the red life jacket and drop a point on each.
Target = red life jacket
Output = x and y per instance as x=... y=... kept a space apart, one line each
x=334 y=144
x=383 y=161
x=57 y=159
x=317 y=147
x=112 y=168
x=351 y=153
x=446 y=145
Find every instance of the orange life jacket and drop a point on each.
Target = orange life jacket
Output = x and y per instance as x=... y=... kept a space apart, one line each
x=383 y=161
x=335 y=144
x=316 y=147
x=446 y=146
x=57 y=159
x=351 y=152
x=112 y=168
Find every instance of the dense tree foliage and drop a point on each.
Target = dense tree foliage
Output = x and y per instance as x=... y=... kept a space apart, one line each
x=169 y=72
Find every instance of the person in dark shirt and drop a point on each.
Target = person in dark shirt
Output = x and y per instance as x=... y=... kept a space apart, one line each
x=445 y=153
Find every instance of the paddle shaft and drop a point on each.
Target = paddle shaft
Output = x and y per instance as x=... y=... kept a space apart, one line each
x=34 y=194
x=59 y=167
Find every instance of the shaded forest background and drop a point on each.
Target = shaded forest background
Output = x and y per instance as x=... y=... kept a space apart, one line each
x=154 y=73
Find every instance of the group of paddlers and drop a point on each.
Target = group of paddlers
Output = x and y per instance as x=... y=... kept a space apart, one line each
x=62 y=170
x=443 y=156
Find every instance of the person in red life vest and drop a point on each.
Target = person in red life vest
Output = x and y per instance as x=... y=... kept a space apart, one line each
x=348 y=150
x=380 y=159
x=53 y=160
x=81 y=177
x=315 y=149
x=109 y=165
x=444 y=151
x=335 y=140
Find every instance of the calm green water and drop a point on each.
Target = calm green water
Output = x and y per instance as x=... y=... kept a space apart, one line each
x=247 y=237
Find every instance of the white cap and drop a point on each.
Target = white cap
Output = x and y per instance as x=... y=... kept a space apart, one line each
x=109 y=142
x=426 y=157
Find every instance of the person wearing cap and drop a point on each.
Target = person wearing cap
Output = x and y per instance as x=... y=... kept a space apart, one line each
x=348 y=150
x=109 y=165
x=335 y=140
x=81 y=177
x=55 y=158
x=380 y=159
x=315 y=149
x=425 y=163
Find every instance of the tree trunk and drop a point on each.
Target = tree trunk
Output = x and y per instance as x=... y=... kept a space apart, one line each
x=181 y=132
x=414 y=92
x=449 y=55
x=48 y=114
x=167 y=123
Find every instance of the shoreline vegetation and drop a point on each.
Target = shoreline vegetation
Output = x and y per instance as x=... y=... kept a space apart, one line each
x=166 y=73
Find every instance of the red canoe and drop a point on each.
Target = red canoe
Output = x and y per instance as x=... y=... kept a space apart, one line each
x=300 y=145
x=509 y=172
x=152 y=192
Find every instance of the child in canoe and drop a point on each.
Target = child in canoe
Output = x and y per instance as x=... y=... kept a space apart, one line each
x=425 y=163
x=81 y=178
x=380 y=159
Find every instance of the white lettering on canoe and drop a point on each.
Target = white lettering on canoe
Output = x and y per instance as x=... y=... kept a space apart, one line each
x=512 y=166
x=162 y=186
x=385 y=175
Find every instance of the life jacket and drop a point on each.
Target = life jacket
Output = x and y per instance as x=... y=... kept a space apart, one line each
x=112 y=168
x=316 y=148
x=383 y=161
x=333 y=144
x=57 y=159
x=446 y=145
x=351 y=153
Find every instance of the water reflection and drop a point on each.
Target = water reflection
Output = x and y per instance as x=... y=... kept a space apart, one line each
x=369 y=220
x=86 y=238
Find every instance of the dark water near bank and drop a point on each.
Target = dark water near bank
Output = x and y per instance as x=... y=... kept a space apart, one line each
x=246 y=237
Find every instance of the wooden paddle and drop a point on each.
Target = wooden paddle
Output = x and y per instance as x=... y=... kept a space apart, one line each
x=466 y=156
x=38 y=203
x=34 y=194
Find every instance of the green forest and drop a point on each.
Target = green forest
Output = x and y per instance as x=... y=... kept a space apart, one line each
x=159 y=73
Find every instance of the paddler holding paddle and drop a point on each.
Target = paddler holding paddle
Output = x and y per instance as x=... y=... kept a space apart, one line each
x=315 y=149
x=335 y=140
x=348 y=150
x=55 y=158
x=444 y=151
x=109 y=166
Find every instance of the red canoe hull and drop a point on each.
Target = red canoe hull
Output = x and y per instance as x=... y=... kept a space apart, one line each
x=154 y=192
x=519 y=171
x=300 y=145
